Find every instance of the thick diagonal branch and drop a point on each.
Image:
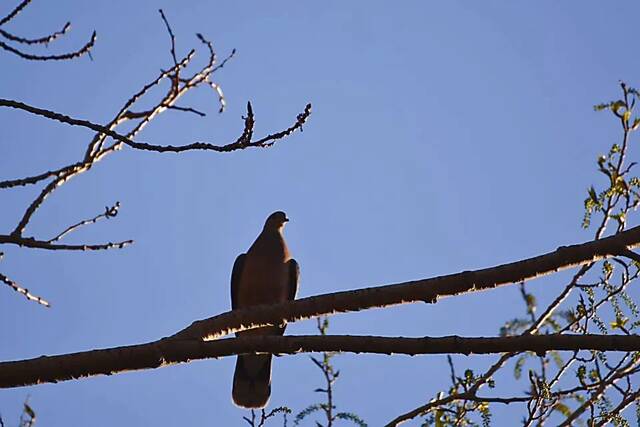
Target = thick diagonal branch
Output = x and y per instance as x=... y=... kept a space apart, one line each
x=425 y=290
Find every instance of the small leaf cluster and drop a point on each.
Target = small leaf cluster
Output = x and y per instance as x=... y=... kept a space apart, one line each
x=620 y=187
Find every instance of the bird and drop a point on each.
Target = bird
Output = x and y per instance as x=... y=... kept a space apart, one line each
x=265 y=274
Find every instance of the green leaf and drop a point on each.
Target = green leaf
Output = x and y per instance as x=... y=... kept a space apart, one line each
x=517 y=369
x=468 y=375
x=581 y=373
x=555 y=355
x=305 y=412
x=616 y=106
x=485 y=414
x=351 y=417
x=531 y=304
x=562 y=408
x=619 y=323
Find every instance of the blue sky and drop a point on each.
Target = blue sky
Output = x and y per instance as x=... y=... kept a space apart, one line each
x=445 y=136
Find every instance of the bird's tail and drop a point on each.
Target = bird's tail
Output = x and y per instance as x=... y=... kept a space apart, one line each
x=252 y=381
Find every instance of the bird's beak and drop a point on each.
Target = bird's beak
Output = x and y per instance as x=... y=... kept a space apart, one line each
x=286 y=220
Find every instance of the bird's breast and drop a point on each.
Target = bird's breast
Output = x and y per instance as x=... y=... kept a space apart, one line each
x=263 y=281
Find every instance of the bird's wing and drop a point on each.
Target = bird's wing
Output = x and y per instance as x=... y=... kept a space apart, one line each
x=294 y=275
x=238 y=266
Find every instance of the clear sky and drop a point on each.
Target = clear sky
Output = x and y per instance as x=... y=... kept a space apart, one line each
x=445 y=136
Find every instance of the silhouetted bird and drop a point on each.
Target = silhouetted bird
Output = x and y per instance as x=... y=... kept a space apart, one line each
x=266 y=274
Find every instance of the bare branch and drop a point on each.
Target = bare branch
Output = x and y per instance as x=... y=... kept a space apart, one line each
x=41 y=40
x=30 y=242
x=224 y=61
x=187 y=110
x=96 y=150
x=86 y=49
x=19 y=289
x=169 y=351
x=65 y=56
x=14 y=12
x=109 y=212
x=125 y=114
x=172 y=36
x=37 y=178
x=242 y=142
x=46 y=192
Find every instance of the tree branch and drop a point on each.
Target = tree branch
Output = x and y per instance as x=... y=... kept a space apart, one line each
x=425 y=290
x=37 y=178
x=24 y=291
x=62 y=57
x=244 y=141
x=40 y=40
x=30 y=242
x=158 y=353
x=109 y=212
x=15 y=12
x=86 y=49
x=169 y=351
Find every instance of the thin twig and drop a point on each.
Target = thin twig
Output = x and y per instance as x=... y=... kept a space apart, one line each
x=109 y=212
x=40 y=40
x=86 y=49
x=37 y=178
x=19 y=289
x=30 y=242
x=14 y=12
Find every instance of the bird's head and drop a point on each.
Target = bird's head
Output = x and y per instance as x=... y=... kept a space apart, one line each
x=276 y=221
